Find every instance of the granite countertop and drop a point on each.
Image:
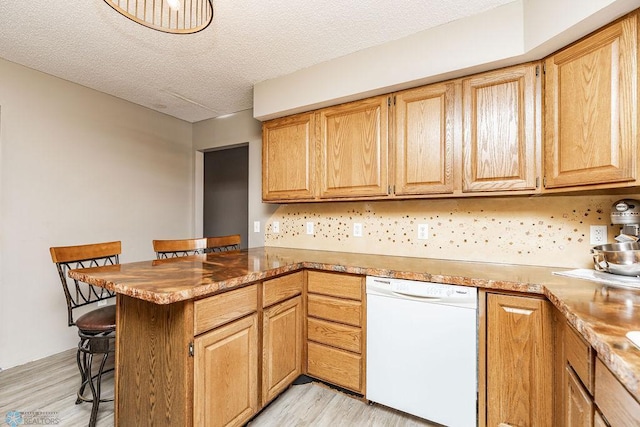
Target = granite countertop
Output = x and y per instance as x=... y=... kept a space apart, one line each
x=602 y=315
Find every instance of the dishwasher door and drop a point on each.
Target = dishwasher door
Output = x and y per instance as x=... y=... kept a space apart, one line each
x=422 y=349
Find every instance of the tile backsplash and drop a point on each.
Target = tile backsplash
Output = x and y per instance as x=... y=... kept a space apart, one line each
x=543 y=230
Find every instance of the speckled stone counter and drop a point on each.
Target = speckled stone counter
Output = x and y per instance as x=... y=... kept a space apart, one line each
x=602 y=315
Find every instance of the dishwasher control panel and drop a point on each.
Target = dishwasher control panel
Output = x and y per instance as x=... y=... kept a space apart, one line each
x=436 y=292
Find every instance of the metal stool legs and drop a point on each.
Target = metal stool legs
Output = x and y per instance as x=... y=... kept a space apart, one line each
x=99 y=344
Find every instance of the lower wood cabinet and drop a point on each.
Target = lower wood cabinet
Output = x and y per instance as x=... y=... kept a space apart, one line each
x=335 y=329
x=519 y=380
x=588 y=394
x=342 y=368
x=226 y=374
x=598 y=421
x=616 y=404
x=579 y=406
x=281 y=347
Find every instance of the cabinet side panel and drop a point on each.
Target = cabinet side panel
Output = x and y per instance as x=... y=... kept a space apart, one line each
x=154 y=370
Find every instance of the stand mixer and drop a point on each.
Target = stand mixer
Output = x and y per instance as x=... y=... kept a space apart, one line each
x=621 y=258
x=626 y=212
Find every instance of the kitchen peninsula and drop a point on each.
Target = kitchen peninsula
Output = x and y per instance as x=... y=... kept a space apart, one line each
x=165 y=308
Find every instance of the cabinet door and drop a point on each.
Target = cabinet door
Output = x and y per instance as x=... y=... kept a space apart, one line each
x=354 y=148
x=226 y=374
x=500 y=130
x=598 y=421
x=591 y=101
x=519 y=359
x=424 y=131
x=579 y=406
x=288 y=158
x=282 y=347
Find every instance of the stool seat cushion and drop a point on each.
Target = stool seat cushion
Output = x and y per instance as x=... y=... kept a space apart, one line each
x=100 y=320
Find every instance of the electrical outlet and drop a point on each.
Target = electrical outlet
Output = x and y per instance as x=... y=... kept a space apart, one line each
x=423 y=231
x=357 y=229
x=256 y=226
x=310 y=228
x=275 y=227
x=598 y=234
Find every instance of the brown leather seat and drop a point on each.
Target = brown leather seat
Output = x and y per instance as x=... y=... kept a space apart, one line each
x=99 y=320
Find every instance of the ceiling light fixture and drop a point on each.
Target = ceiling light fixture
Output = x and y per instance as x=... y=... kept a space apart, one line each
x=169 y=16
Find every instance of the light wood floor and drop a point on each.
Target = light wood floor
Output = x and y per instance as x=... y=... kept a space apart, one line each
x=50 y=385
x=315 y=404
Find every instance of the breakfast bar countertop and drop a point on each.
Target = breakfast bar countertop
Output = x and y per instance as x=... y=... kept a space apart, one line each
x=603 y=315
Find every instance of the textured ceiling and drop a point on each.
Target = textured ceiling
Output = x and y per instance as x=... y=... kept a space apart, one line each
x=211 y=73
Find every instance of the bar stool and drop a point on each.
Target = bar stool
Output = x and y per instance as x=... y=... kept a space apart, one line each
x=178 y=248
x=96 y=328
x=223 y=243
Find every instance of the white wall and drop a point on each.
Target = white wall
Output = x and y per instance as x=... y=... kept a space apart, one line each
x=238 y=128
x=520 y=31
x=77 y=166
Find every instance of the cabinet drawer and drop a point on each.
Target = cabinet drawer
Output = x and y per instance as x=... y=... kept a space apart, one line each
x=335 y=366
x=281 y=288
x=617 y=405
x=223 y=308
x=335 y=335
x=580 y=356
x=335 y=284
x=338 y=310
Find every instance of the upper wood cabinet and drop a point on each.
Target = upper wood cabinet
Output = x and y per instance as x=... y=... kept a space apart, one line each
x=501 y=129
x=591 y=109
x=288 y=158
x=354 y=149
x=476 y=135
x=424 y=139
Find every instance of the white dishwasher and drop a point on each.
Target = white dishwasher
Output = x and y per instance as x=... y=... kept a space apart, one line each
x=422 y=349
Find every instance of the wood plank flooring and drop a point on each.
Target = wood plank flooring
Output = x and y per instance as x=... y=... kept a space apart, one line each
x=315 y=404
x=50 y=385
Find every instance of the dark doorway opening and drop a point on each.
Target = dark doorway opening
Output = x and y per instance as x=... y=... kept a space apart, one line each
x=226 y=193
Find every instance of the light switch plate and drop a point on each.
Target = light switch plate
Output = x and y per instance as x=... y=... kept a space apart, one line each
x=256 y=226
x=275 y=227
x=423 y=231
x=310 y=228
